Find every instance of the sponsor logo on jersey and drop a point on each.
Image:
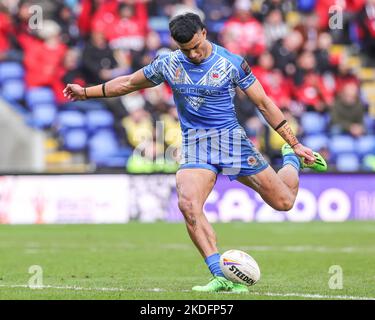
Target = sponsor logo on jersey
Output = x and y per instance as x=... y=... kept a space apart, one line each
x=196 y=70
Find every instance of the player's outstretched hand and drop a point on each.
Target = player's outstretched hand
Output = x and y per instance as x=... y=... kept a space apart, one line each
x=74 y=92
x=302 y=151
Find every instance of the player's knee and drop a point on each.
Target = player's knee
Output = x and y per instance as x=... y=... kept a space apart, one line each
x=284 y=203
x=187 y=206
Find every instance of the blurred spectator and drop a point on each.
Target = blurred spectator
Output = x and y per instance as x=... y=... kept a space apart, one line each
x=277 y=87
x=138 y=126
x=285 y=52
x=158 y=100
x=284 y=6
x=124 y=24
x=322 y=55
x=67 y=23
x=149 y=52
x=44 y=58
x=98 y=59
x=310 y=88
x=87 y=10
x=243 y=34
x=72 y=73
x=275 y=28
x=309 y=30
x=345 y=75
x=217 y=12
x=347 y=114
x=6 y=29
x=172 y=129
x=7 y=37
x=161 y=8
x=187 y=6
x=367 y=25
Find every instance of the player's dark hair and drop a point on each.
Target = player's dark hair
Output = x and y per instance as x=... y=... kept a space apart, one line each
x=184 y=26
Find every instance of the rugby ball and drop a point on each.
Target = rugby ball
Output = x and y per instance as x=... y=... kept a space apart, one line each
x=240 y=267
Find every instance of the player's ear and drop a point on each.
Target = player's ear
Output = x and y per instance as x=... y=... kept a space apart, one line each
x=204 y=33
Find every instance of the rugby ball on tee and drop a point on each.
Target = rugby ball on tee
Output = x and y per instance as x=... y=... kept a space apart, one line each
x=240 y=267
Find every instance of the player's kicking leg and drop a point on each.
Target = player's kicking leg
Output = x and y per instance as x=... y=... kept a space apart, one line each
x=280 y=189
x=193 y=187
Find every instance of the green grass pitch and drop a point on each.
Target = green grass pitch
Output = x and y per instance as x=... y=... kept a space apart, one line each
x=158 y=261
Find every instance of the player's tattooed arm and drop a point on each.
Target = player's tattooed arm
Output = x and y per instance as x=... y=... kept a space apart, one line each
x=285 y=131
x=271 y=112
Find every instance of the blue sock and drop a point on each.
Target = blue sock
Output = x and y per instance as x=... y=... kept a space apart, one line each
x=293 y=160
x=213 y=263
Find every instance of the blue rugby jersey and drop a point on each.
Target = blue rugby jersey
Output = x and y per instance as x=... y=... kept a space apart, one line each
x=203 y=93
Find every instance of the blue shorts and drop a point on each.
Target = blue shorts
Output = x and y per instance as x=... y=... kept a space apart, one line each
x=229 y=152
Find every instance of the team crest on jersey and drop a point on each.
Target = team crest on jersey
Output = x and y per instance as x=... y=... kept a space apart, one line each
x=252 y=160
x=214 y=77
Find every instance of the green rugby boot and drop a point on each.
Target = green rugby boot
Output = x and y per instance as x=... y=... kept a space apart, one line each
x=221 y=284
x=318 y=165
x=240 y=288
x=216 y=284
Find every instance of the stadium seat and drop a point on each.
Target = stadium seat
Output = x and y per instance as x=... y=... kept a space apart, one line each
x=43 y=115
x=313 y=123
x=71 y=119
x=103 y=142
x=10 y=71
x=74 y=139
x=99 y=119
x=41 y=95
x=341 y=144
x=83 y=106
x=369 y=124
x=13 y=89
x=105 y=151
x=347 y=162
x=306 y=5
x=216 y=26
x=316 y=142
x=365 y=145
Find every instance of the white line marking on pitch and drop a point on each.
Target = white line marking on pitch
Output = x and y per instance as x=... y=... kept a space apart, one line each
x=270 y=294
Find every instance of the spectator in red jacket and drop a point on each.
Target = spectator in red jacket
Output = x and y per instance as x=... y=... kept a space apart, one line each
x=243 y=34
x=277 y=87
x=367 y=25
x=310 y=88
x=44 y=58
x=6 y=29
x=322 y=9
x=87 y=11
x=124 y=24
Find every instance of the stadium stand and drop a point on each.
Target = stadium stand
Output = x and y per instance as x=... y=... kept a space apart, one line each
x=323 y=77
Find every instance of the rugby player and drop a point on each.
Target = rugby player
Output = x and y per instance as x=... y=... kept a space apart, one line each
x=203 y=77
